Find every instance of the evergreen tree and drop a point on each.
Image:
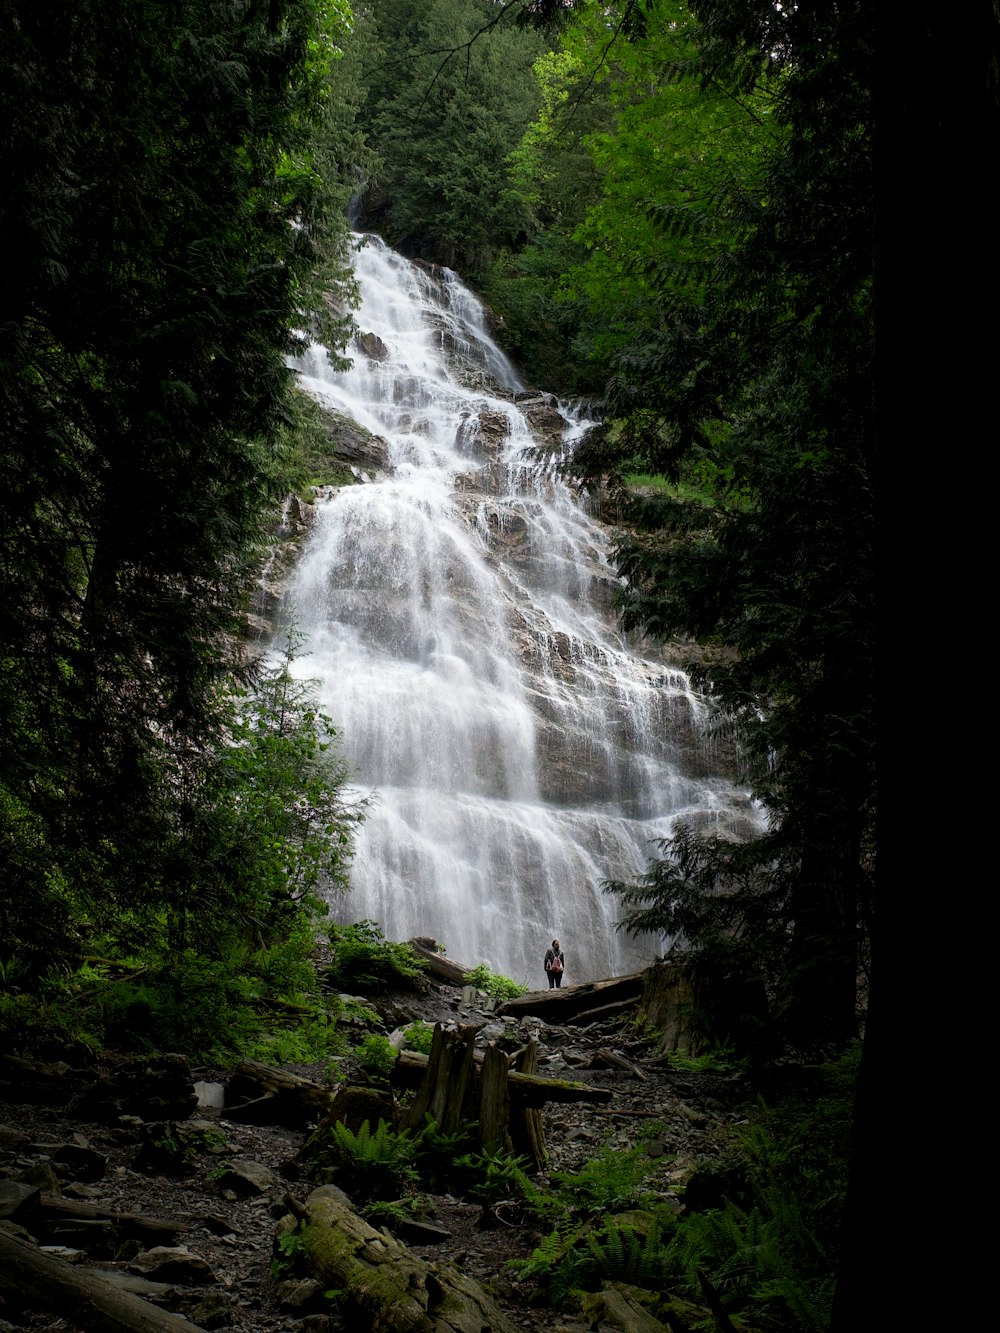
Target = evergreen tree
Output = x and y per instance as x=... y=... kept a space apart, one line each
x=167 y=223
x=754 y=383
x=449 y=98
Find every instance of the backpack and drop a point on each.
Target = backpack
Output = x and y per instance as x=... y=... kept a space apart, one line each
x=556 y=964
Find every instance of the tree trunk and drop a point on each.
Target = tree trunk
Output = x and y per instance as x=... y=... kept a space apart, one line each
x=668 y=998
x=494 y=1102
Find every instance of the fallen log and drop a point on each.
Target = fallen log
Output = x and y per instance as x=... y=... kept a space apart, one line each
x=564 y=1004
x=151 y=1230
x=82 y=1296
x=445 y=969
x=259 y=1094
x=383 y=1286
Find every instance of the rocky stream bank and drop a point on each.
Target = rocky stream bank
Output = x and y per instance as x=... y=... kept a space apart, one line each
x=149 y=1175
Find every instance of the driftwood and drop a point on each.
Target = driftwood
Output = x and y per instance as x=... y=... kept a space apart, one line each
x=384 y=1287
x=565 y=1003
x=83 y=1296
x=261 y=1095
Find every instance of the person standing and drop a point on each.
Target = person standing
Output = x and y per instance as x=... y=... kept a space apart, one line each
x=555 y=964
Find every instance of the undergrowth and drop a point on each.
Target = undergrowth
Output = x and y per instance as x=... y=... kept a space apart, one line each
x=363 y=959
x=494 y=983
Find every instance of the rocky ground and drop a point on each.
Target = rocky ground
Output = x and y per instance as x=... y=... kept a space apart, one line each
x=86 y=1151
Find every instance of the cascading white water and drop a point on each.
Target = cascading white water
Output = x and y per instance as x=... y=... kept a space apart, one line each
x=457 y=616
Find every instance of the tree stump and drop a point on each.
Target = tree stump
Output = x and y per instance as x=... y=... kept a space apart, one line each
x=444 y=1092
x=526 y=1132
x=494 y=1102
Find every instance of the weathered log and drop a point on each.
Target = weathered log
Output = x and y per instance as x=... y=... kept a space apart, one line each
x=262 y=1095
x=591 y=1016
x=154 y=1230
x=384 y=1287
x=605 y=1059
x=535 y=1090
x=83 y=1296
x=565 y=1003
x=445 y=969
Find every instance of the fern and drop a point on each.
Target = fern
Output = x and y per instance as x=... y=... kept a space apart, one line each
x=495 y=1174
x=438 y=1153
x=609 y=1182
x=371 y=1165
x=620 y=1253
x=583 y=1258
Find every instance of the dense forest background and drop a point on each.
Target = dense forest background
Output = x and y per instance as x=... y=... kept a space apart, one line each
x=669 y=208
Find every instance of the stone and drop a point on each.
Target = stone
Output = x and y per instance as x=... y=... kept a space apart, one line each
x=18 y=1199
x=167 y=1263
x=42 y=1175
x=297 y=1294
x=246 y=1178
x=83 y=1163
x=373 y=346
x=214 y=1310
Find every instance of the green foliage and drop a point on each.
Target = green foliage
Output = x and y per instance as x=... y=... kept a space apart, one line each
x=438 y=1152
x=290 y=1247
x=587 y=1257
x=610 y=1182
x=188 y=1002
x=717 y=1060
x=759 y=366
x=419 y=1036
x=377 y=1056
x=494 y=983
x=172 y=219
x=772 y=1254
x=367 y=1165
x=449 y=96
x=494 y=1174
x=363 y=959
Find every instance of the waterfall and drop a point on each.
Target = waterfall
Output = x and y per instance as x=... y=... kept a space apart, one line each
x=457 y=615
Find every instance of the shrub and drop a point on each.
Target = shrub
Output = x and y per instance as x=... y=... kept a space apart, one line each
x=494 y=983
x=364 y=960
x=376 y=1055
x=419 y=1036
